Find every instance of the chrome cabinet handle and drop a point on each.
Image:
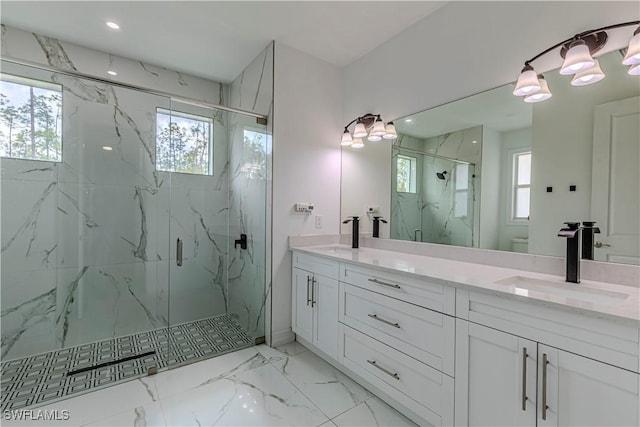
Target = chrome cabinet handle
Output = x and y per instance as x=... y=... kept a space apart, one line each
x=313 y=292
x=378 y=282
x=601 y=245
x=391 y=374
x=179 y=252
x=545 y=362
x=524 y=379
x=375 y=316
x=308 y=283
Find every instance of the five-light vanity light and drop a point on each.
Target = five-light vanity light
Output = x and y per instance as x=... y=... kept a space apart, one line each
x=370 y=126
x=578 y=61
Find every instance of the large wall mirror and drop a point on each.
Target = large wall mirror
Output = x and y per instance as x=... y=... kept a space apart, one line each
x=493 y=172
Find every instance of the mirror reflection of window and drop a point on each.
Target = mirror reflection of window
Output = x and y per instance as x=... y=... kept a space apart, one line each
x=521 y=186
x=406 y=174
x=461 y=201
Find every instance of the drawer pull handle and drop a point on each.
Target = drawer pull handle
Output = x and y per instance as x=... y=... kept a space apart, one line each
x=308 y=283
x=375 y=316
x=391 y=374
x=378 y=282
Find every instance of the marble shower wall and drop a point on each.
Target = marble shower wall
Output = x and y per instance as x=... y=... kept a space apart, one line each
x=88 y=243
x=432 y=208
x=250 y=194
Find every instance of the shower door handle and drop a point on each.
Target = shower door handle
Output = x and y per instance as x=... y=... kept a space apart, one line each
x=179 y=252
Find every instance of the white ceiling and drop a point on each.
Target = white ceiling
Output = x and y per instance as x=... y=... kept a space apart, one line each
x=497 y=109
x=218 y=39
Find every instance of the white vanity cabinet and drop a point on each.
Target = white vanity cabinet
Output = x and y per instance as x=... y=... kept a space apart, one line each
x=503 y=379
x=315 y=301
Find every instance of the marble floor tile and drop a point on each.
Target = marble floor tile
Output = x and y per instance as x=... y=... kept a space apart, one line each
x=142 y=416
x=373 y=412
x=259 y=397
x=292 y=348
x=331 y=390
x=208 y=371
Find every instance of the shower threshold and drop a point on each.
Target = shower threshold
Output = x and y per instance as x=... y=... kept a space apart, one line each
x=59 y=374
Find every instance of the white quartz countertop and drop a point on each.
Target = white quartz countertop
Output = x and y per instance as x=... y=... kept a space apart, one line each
x=598 y=299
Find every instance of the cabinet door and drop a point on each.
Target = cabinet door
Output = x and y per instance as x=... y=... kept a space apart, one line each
x=495 y=377
x=325 y=302
x=302 y=313
x=585 y=392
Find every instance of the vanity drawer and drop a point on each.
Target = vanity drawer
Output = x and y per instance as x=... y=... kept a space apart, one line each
x=421 y=388
x=424 y=334
x=430 y=293
x=316 y=264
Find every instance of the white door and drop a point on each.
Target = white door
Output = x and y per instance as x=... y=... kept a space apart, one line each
x=325 y=302
x=615 y=194
x=495 y=377
x=585 y=392
x=302 y=315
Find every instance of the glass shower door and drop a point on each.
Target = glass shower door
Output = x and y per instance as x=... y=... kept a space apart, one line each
x=217 y=194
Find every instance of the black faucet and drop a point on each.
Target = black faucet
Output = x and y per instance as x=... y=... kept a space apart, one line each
x=376 y=225
x=572 y=233
x=355 y=230
x=588 y=231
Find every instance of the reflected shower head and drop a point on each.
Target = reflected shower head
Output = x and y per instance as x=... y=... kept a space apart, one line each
x=441 y=175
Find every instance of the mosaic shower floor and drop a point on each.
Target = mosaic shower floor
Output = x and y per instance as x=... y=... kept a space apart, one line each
x=45 y=378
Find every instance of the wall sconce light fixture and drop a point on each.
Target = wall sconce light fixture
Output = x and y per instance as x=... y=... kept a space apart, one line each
x=370 y=126
x=577 y=52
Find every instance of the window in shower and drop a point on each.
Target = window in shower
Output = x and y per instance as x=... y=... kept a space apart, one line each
x=406 y=175
x=461 y=200
x=184 y=142
x=30 y=119
x=521 y=186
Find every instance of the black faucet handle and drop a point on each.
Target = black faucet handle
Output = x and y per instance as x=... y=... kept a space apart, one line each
x=573 y=225
x=379 y=218
x=351 y=218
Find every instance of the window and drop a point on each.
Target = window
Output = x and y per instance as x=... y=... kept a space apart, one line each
x=461 y=200
x=521 y=186
x=406 y=174
x=255 y=154
x=30 y=119
x=184 y=143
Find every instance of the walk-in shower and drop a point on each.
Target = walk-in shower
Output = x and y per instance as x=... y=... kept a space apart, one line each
x=120 y=208
x=432 y=199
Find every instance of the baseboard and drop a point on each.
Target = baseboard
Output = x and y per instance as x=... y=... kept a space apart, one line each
x=282 y=337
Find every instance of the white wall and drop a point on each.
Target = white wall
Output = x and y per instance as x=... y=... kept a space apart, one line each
x=465 y=48
x=307 y=126
x=512 y=141
x=490 y=188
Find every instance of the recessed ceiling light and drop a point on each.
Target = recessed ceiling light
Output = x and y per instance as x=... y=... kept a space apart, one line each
x=474 y=142
x=112 y=73
x=107 y=148
x=408 y=120
x=113 y=25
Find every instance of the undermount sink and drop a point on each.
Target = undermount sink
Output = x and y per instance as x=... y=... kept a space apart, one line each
x=523 y=285
x=335 y=249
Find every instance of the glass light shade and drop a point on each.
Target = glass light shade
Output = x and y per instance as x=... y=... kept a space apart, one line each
x=542 y=95
x=360 y=131
x=587 y=77
x=633 y=51
x=346 y=139
x=578 y=58
x=390 y=131
x=357 y=143
x=634 y=70
x=378 y=128
x=527 y=83
x=373 y=137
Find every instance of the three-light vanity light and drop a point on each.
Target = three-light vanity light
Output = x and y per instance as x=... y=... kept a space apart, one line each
x=578 y=61
x=370 y=126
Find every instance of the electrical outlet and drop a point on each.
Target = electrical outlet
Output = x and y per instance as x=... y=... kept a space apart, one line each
x=318 y=221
